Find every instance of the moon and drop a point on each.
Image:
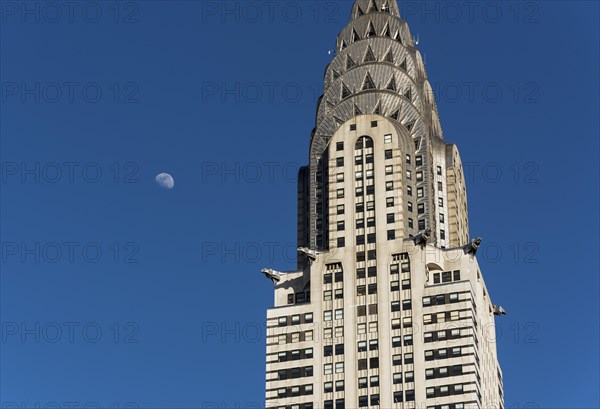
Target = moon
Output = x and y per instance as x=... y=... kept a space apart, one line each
x=165 y=181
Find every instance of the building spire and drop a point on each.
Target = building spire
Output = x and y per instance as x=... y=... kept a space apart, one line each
x=362 y=7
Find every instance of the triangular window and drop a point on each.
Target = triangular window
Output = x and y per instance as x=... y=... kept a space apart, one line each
x=371 y=30
x=398 y=37
x=389 y=57
x=342 y=45
x=349 y=62
x=345 y=91
x=408 y=94
x=396 y=114
x=372 y=7
x=368 y=83
x=334 y=75
x=377 y=110
x=392 y=84
x=369 y=56
x=386 y=31
x=357 y=110
x=403 y=64
x=409 y=126
x=355 y=36
x=359 y=11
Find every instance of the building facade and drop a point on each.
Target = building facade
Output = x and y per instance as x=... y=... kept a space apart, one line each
x=388 y=308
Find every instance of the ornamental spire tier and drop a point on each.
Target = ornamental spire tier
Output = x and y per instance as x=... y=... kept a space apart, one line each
x=388 y=308
x=378 y=73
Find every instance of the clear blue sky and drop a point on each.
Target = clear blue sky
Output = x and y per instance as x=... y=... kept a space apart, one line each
x=115 y=291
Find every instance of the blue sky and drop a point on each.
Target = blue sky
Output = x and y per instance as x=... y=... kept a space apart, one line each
x=117 y=293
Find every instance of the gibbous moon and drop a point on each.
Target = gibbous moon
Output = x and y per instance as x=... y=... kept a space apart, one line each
x=165 y=181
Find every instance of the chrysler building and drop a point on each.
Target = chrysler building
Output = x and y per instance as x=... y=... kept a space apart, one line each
x=388 y=307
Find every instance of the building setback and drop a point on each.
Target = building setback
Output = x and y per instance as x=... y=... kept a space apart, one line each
x=388 y=308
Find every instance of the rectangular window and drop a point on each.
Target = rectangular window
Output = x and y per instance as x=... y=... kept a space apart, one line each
x=339 y=367
x=341 y=242
x=442 y=218
x=339 y=294
x=341 y=226
x=362 y=346
x=387 y=138
x=339 y=161
x=373 y=309
x=443 y=234
x=389 y=170
x=391 y=234
x=327 y=295
x=409 y=206
x=361 y=310
x=328 y=369
x=409 y=190
x=408 y=175
x=282 y=321
x=308 y=318
x=440 y=186
x=340 y=209
x=446 y=277
x=339 y=177
x=360 y=223
x=389 y=154
x=327 y=315
x=390 y=218
x=389 y=202
x=420 y=192
x=339 y=314
x=408 y=159
x=439 y=171
x=419 y=176
x=372 y=326
x=419 y=161
x=360 y=273
x=441 y=202
x=339 y=146
x=340 y=193
x=456 y=275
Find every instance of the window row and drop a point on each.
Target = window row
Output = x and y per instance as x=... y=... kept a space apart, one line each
x=397 y=341
x=440 y=299
x=294 y=391
x=441 y=317
x=337 y=332
x=446 y=390
x=444 y=372
x=445 y=353
x=303 y=336
x=446 y=277
x=294 y=373
x=330 y=315
x=295 y=355
x=329 y=368
x=443 y=335
x=329 y=295
x=299 y=298
x=295 y=320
